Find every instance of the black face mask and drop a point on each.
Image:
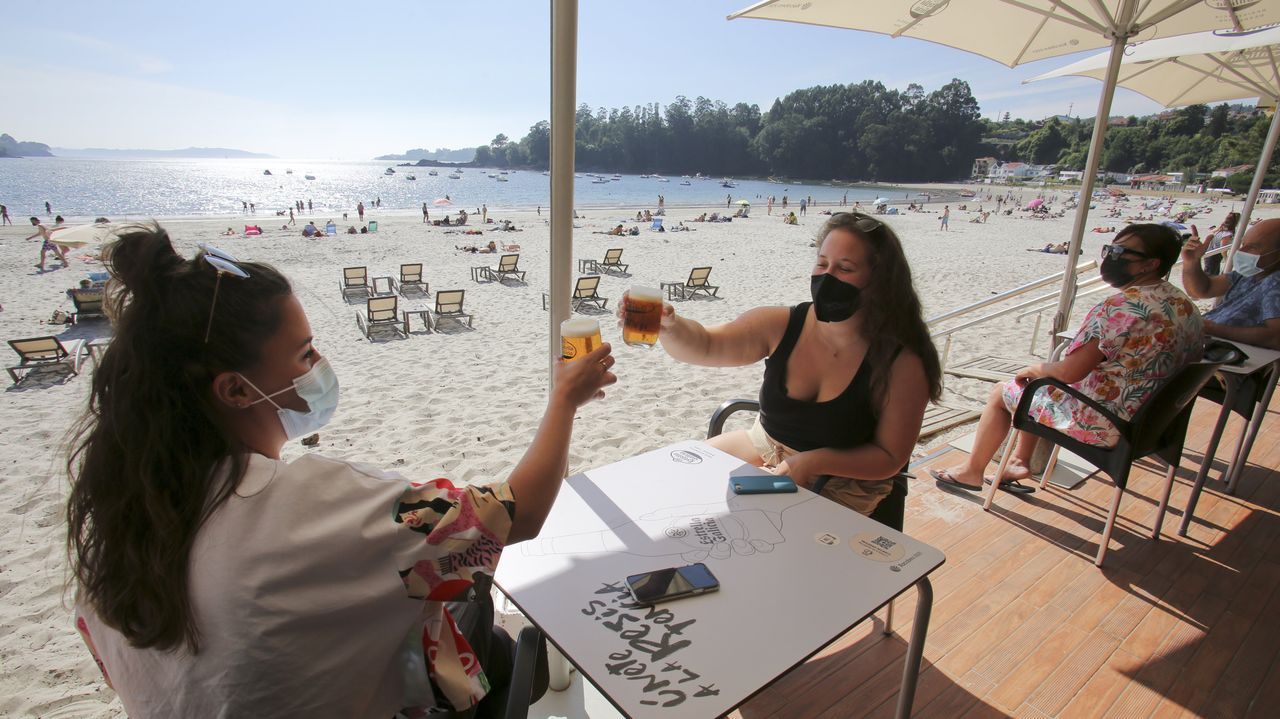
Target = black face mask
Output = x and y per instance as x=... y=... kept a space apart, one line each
x=1115 y=271
x=833 y=300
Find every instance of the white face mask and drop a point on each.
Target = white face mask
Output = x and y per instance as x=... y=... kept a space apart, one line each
x=318 y=388
x=1246 y=263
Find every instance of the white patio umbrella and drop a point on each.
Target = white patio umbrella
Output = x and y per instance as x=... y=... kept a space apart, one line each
x=77 y=236
x=1202 y=68
x=1019 y=31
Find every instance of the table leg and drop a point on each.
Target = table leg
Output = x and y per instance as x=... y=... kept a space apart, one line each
x=1260 y=411
x=915 y=648
x=1231 y=386
x=557 y=669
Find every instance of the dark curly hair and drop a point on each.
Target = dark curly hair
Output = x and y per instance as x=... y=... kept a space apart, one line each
x=151 y=460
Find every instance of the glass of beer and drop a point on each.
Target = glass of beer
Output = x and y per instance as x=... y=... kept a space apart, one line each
x=641 y=313
x=578 y=336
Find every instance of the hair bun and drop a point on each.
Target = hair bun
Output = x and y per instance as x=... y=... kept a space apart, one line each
x=142 y=259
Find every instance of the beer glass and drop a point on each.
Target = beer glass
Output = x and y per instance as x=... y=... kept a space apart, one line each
x=578 y=336
x=641 y=313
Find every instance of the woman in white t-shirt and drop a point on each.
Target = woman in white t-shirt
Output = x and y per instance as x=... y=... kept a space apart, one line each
x=215 y=579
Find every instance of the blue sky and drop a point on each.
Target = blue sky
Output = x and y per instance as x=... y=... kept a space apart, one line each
x=353 y=80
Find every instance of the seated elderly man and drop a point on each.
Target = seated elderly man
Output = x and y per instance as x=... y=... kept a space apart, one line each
x=1250 y=307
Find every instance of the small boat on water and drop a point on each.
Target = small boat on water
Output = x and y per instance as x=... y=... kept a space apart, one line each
x=616 y=176
x=503 y=178
x=410 y=177
x=389 y=171
x=686 y=183
x=433 y=173
x=288 y=171
x=663 y=179
x=266 y=172
x=502 y=172
x=728 y=183
x=600 y=181
x=454 y=176
x=493 y=175
x=644 y=177
x=310 y=177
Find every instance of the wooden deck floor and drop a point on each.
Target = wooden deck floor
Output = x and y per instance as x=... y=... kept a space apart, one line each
x=1025 y=625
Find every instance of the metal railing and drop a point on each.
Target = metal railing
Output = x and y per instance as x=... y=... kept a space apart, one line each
x=1037 y=305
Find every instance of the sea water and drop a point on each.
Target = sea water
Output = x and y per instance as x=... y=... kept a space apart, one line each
x=135 y=188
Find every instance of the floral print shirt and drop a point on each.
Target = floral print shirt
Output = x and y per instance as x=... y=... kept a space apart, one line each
x=1146 y=334
x=319 y=590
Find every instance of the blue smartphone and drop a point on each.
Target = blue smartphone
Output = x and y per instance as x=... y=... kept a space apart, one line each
x=762 y=484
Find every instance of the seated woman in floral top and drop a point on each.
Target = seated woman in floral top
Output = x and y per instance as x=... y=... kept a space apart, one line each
x=1128 y=345
x=217 y=580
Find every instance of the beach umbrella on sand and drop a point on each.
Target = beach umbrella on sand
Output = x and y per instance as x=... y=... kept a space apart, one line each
x=1032 y=30
x=441 y=202
x=1202 y=68
x=744 y=203
x=77 y=236
x=881 y=201
x=1034 y=204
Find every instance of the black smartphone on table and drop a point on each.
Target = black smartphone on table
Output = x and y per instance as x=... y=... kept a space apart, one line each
x=672 y=583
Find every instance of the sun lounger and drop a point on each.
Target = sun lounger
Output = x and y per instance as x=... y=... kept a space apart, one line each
x=355 y=280
x=38 y=353
x=331 y=229
x=449 y=306
x=381 y=313
x=696 y=283
x=508 y=267
x=585 y=292
x=88 y=303
x=612 y=262
x=411 y=279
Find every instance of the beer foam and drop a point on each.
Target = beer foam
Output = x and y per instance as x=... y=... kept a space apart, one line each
x=645 y=293
x=579 y=327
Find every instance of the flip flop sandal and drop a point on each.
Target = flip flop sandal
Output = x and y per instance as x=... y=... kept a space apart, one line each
x=945 y=479
x=1013 y=486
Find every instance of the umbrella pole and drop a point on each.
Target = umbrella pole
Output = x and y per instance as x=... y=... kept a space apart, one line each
x=212 y=306
x=1094 y=159
x=564 y=78
x=1259 y=175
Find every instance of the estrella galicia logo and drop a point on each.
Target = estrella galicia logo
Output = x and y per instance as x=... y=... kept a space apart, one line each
x=685 y=457
x=928 y=8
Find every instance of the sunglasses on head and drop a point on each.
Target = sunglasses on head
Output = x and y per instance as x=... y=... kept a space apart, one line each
x=864 y=223
x=224 y=263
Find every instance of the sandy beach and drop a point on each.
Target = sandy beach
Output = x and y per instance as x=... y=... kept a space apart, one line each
x=463 y=403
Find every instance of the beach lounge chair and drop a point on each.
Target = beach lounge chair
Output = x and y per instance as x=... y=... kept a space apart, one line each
x=380 y=313
x=696 y=283
x=331 y=229
x=411 y=279
x=88 y=303
x=449 y=306
x=612 y=262
x=508 y=266
x=585 y=292
x=38 y=353
x=656 y=224
x=355 y=280
x=373 y=225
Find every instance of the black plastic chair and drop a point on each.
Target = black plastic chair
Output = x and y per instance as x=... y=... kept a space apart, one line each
x=890 y=512
x=1244 y=394
x=1159 y=428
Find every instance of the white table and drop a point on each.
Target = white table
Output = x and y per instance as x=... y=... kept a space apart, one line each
x=796 y=572
x=1233 y=376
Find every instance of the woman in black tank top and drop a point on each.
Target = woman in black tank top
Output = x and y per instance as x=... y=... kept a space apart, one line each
x=847 y=376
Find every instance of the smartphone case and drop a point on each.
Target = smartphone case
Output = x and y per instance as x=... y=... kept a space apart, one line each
x=762 y=484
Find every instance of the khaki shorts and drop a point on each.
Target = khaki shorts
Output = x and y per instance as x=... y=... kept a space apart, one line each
x=862 y=496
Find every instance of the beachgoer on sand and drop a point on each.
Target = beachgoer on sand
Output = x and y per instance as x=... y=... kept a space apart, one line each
x=46 y=244
x=1127 y=346
x=360 y=210
x=946 y=217
x=4 y=216
x=847 y=376
x=246 y=563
